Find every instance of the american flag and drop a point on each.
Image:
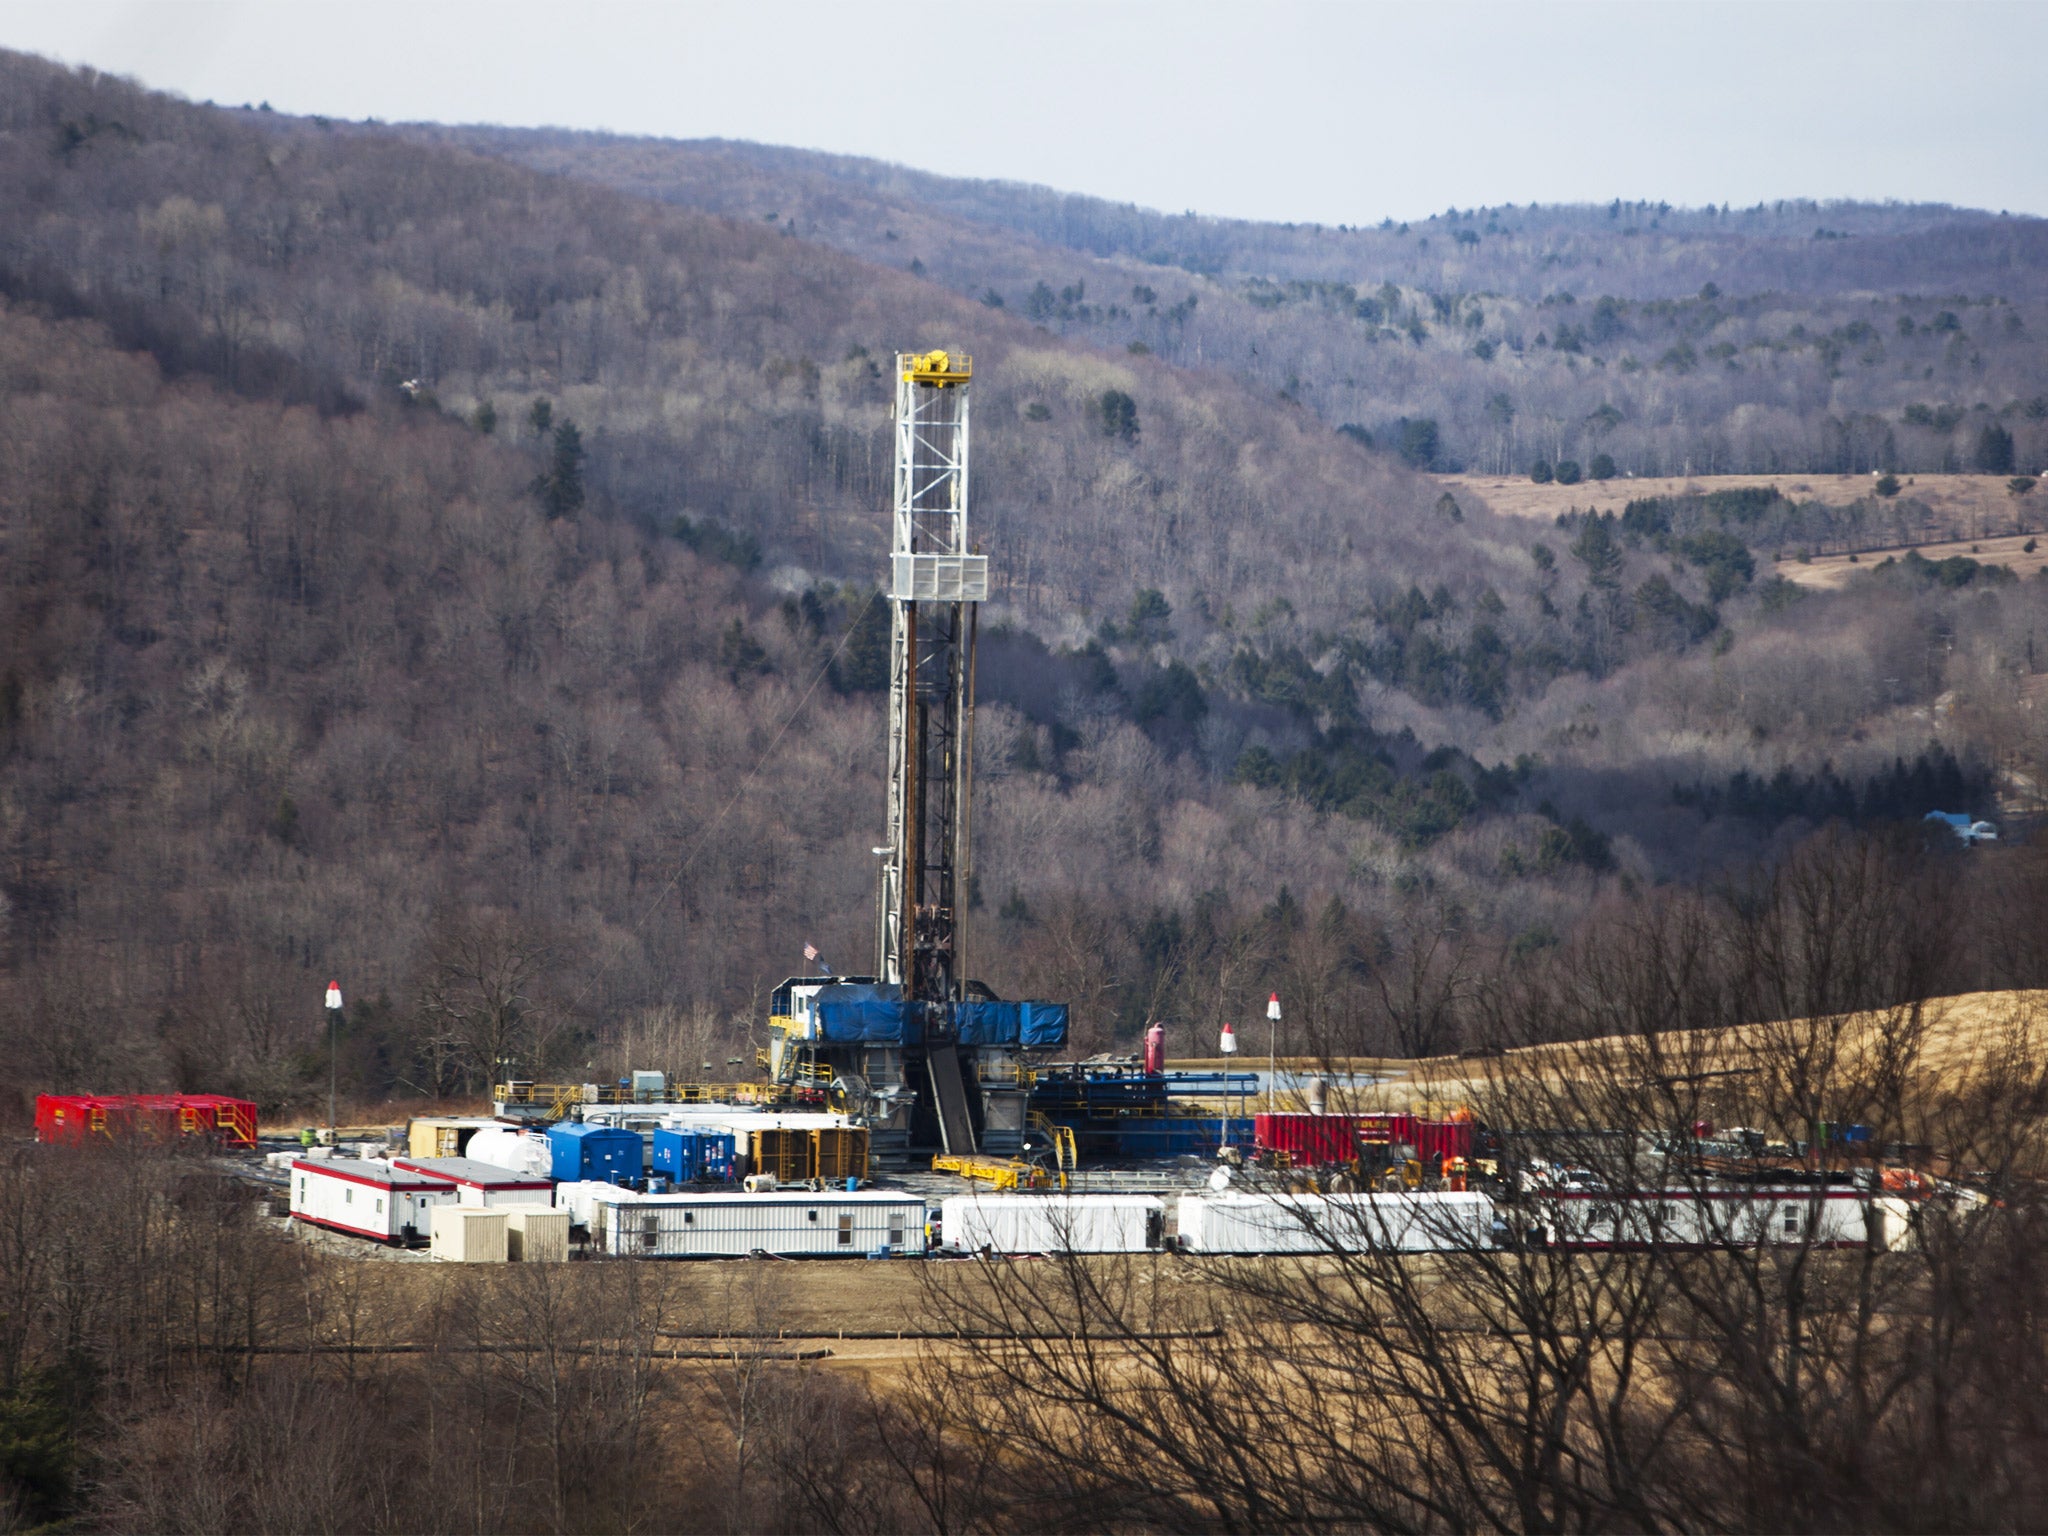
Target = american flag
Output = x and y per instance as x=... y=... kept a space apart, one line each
x=810 y=951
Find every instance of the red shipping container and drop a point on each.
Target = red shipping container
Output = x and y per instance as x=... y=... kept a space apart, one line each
x=154 y=1115
x=1319 y=1140
x=1437 y=1140
x=1310 y=1141
x=231 y=1122
x=73 y=1118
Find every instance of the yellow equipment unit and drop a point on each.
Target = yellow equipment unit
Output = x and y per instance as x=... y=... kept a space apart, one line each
x=996 y=1172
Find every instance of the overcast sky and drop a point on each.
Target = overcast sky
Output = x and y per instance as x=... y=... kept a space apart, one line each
x=1338 y=113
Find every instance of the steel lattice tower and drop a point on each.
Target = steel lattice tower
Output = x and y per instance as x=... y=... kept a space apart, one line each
x=934 y=585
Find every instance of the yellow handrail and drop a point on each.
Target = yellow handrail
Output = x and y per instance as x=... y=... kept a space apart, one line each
x=1066 y=1156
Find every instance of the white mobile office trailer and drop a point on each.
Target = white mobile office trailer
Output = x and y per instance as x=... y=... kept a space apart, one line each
x=1052 y=1223
x=847 y=1225
x=367 y=1198
x=1717 y=1218
x=479 y=1183
x=1308 y=1223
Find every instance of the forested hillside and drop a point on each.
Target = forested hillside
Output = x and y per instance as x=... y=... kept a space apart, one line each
x=1806 y=337
x=457 y=579
x=385 y=596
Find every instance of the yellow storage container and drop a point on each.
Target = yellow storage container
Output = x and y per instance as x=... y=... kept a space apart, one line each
x=786 y=1154
x=536 y=1235
x=442 y=1136
x=838 y=1155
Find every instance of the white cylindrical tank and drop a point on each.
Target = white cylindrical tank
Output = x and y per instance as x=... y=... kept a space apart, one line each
x=507 y=1147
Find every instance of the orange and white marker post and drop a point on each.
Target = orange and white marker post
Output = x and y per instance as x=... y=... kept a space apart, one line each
x=333 y=1068
x=1228 y=1045
x=1272 y=1048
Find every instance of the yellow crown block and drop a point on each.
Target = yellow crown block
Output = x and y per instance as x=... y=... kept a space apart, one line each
x=938 y=368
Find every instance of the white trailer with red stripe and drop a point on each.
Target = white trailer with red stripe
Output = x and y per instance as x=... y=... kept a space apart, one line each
x=481 y=1183
x=367 y=1198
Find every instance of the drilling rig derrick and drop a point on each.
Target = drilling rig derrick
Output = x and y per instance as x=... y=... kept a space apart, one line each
x=935 y=584
x=928 y=1058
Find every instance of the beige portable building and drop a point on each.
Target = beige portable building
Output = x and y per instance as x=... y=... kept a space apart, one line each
x=469 y=1234
x=536 y=1236
x=442 y=1135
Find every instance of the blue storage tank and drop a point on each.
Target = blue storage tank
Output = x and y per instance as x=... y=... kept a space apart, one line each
x=602 y=1154
x=687 y=1156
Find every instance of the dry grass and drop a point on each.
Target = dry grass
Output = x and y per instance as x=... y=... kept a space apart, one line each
x=1964 y=506
x=1958 y=1031
x=368 y=1116
x=1832 y=572
x=753 y=1302
x=1958 y=1034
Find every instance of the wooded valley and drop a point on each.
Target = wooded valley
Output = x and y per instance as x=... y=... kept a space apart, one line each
x=458 y=578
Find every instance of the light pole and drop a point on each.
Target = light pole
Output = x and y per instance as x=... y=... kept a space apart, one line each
x=1228 y=1045
x=1272 y=1047
x=333 y=1069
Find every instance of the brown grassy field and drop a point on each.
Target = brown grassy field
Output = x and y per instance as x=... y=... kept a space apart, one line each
x=1832 y=572
x=1964 y=506
x=1958 y=1034
x=779 y=1306
x=1958 y=1030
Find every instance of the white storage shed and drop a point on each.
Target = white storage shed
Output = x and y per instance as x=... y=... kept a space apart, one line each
x=1052 y=1223
x=1235 y=1222
x=480 y=1183
x=367 y=1198
x=469 y=1234
x=796 y=1223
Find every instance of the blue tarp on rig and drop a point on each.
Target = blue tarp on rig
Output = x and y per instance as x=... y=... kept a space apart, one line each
x=1043 y=1026
x=988 y=1023
x=864 y=1013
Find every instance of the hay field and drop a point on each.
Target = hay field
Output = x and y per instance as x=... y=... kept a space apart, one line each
x=1830 y=573
x=1964 y=506
x=1957 y=1033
